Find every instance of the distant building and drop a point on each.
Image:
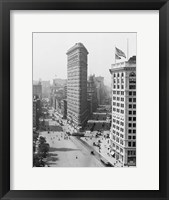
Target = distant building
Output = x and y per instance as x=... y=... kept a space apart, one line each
x=100 y=88
x=59 y=83
x=37 y=90
x=34 y=113
x=92 y=95
x=65 y=91
x=45 y=89
x=77 y=111
x=57 y=93
x=37 y=111
x=64 y=108
x=123 y=129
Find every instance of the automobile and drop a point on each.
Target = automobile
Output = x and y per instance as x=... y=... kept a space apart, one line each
x=78 y=134
x=106 y=163
x=92 y=152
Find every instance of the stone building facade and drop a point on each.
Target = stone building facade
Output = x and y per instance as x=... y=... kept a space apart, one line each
x=77 y=112
x=123 y=129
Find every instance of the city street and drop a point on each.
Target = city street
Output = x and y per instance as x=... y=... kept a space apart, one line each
x=68 y=152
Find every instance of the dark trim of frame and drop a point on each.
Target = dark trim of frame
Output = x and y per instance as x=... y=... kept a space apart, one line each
x=5 y=7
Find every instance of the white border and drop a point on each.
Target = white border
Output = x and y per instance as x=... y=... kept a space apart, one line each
x=146 y=175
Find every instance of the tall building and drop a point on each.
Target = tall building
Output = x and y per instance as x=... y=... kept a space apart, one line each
x=45 y=89
x=92 y=95
x=123 y=129
x=100 y=87
x=64 y=108
x=37 y=111
x=65 y=91
x=77 y=112
x=37 y=90
x=34 y=114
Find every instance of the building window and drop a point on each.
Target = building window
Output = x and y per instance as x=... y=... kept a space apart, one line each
x=130 y=105
x=134 y=118
x=129 y=130
x=129 y=137
x=130 y=112
x=134 y=99
x=130 y=93
x=130 y=99
x=134 y=106
x=129 y=124
x=121 y=142
x=132 y=87
x=134 y=131
x=130 y=118
x=134 y=144
x=134 y=112
x=129 y=144
x=121 y=150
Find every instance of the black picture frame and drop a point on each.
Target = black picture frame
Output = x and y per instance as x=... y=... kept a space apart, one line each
x=5 y=7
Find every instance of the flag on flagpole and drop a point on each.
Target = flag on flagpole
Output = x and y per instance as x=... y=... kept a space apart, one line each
x=117 y=57
x=119 y=53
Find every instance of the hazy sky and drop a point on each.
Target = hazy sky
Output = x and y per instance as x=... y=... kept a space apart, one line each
x=50 y=59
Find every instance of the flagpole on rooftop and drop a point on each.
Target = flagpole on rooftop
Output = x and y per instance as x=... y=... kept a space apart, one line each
x=115 y=53
x=127 y=49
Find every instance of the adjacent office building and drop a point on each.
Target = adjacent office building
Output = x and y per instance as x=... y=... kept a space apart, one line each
x=77 y=111
x=123 y=129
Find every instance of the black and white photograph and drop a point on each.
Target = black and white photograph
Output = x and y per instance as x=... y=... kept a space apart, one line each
x=84 y=99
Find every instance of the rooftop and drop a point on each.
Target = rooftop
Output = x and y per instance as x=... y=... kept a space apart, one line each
x=77 y=46
x=130 y=63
